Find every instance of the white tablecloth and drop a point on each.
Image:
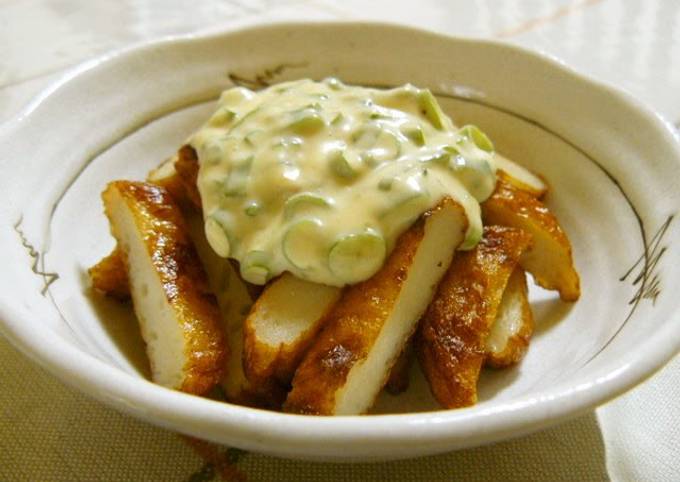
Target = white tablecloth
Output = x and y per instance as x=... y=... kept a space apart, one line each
x=50 y=432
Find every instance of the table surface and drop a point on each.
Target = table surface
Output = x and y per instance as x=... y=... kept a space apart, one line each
x=50 y=432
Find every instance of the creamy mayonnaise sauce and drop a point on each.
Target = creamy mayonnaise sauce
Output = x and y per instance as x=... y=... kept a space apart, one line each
x=320 y=178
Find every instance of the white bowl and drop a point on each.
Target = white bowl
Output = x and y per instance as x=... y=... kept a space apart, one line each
x=613 y=165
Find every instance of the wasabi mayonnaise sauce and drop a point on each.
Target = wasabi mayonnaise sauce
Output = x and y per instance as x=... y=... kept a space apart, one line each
x=321 y=178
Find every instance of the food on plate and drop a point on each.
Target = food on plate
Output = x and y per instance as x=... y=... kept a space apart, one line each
x=549 y=260
x=350 y=361
x=310 y=237
x=510 y=334
x=451 y=342
x=177 y=314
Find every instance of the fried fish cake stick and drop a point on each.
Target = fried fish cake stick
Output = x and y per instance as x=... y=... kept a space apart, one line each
x=451 y=340
x=281 y=326
x=234 y=296
x=511 y=331
x=520 y=177
x=350 y=360
x=549 y=260
x=109 y=276
x=178 y=317
x=235 y=301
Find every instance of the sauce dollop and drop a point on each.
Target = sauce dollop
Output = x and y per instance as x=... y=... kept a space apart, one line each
x=321 y=178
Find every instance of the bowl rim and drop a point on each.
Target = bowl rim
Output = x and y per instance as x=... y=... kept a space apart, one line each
x=260 y=429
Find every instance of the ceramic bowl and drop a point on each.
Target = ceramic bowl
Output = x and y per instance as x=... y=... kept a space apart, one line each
x=612 y=164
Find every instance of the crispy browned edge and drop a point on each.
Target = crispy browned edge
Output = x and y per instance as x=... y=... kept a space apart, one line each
x=399 y=379
x=513 y=207
x=109 y=276
x=263 y=364
x=182 y=276
x=352 y=327
x=517 y=344
x=451 y=338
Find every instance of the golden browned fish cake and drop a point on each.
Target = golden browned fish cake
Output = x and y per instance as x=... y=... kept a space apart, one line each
x=511 y=332
x=350 y=360
x=549 y=260
x=451 y=340
x=282 y=324
x=178 y=317
x=235 y=301
x=109 y=276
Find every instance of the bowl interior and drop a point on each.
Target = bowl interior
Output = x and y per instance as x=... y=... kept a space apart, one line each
x=588 y=204
x=612 y=188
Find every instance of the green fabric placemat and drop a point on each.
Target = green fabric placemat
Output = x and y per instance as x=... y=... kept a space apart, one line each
x=49 y=432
